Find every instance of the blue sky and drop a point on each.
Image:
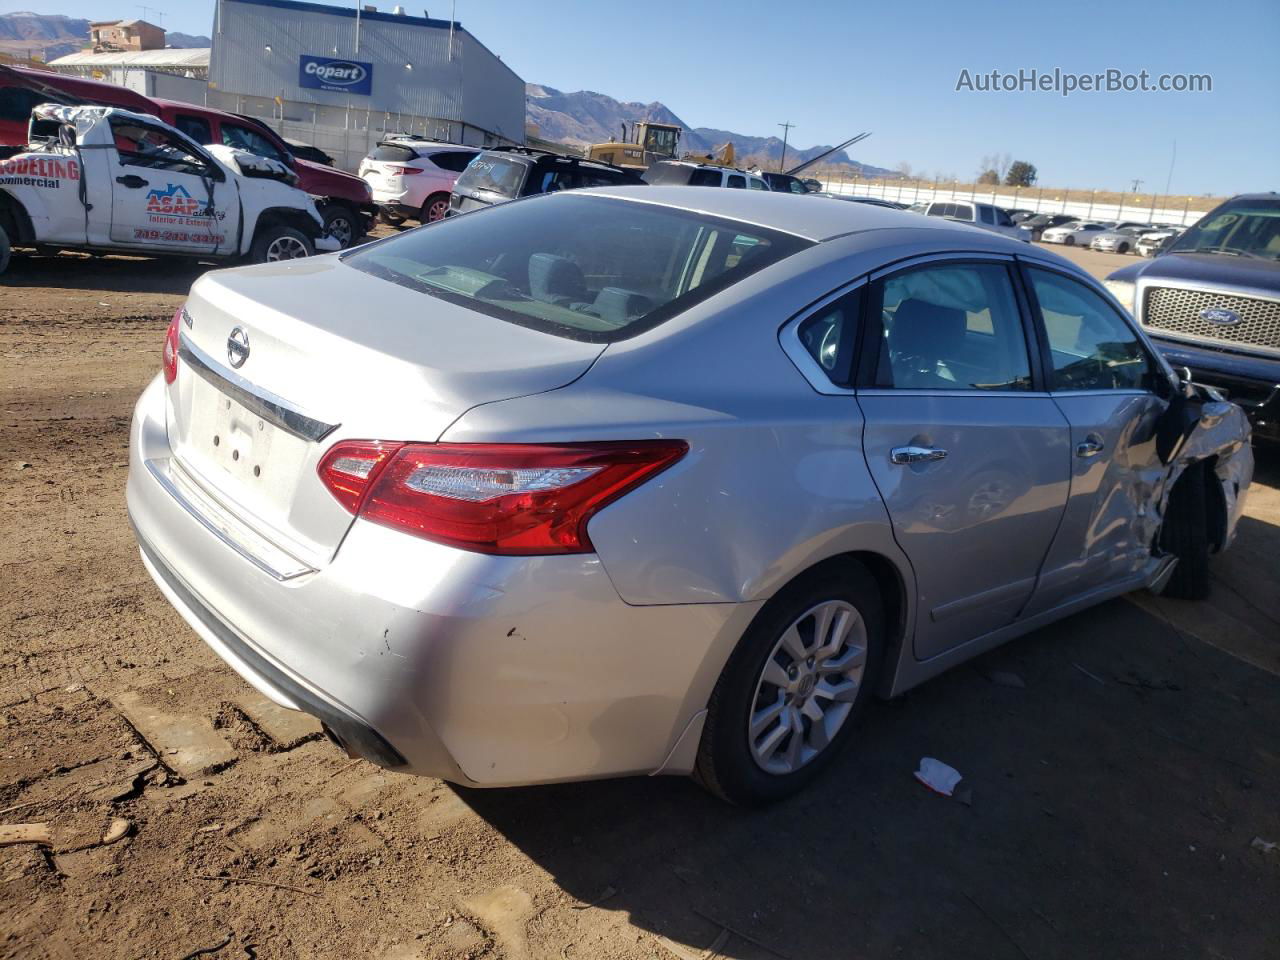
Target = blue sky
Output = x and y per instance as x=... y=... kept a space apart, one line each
x=835 y=68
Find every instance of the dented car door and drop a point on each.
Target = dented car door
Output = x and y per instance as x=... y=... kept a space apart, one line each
x=166 y=195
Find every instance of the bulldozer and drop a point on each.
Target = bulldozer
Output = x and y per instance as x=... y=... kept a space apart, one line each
x=645 y=143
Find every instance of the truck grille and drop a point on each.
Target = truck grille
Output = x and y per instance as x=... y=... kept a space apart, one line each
x=1178 y=312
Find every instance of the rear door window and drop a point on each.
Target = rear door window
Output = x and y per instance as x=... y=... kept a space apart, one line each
x=737 y=181
x=705 y=178
x=455 y=161
x=987 y=216
x=197 y=128
x=950 y=327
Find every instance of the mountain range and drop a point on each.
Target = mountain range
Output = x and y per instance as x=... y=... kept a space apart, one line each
x=587 y=117
x=49 y=36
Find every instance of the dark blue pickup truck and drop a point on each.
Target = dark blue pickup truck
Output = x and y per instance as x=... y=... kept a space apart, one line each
x=1211 y=301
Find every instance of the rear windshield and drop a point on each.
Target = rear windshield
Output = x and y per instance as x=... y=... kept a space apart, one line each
x=393 y=152
x=670 y=173
x=492 y=174
x=593 y=268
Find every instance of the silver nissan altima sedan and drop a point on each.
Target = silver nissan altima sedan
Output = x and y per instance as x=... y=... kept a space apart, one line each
x=659 y=480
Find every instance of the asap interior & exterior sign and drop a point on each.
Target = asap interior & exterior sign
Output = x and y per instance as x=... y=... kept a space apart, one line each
x=340 y=76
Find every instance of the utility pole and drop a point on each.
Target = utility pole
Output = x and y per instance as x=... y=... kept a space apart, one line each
x=1136 y=184
x=786 y=129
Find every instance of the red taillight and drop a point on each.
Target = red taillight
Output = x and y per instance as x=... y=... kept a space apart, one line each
x=350 y=468
x=492 y=498
x=169 y=357
x=404 y=171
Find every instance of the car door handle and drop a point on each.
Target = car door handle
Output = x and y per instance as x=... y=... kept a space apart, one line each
x=1090 y=446
x=132 y=182
x=915 y=454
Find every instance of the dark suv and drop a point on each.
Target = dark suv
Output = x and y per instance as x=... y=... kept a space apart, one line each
x=1211 y=301
x=1043 y=221
x=505 y=173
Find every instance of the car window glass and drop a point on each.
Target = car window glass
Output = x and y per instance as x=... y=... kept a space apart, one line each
x=828 y=336
x=962 y=211
x=455 y=161
x=552 y=181
x=580 y=265
x=1091 y=345
x=704 y=178
x=142 y=145
x=197 y=128
x=737 y=181
x=951 y=327
x=393 y=153
x=493 y=174
x=16 y=103
x=986 y=215
x=755 y=184
x=1002 y=219
x=242 y=138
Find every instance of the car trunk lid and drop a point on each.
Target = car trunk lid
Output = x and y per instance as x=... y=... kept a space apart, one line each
x=278 y=362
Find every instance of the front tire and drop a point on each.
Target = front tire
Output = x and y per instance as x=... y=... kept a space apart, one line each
x=1123 y=248
x=4 y=250
x=794 y=688
x=1070 y=241
x=1185 y=534
x=280 y=242
x=341 y=224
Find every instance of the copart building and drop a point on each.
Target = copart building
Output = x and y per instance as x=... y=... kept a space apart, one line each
x=342 y=77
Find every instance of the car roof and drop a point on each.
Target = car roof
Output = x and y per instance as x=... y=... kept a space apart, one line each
x=804 y=216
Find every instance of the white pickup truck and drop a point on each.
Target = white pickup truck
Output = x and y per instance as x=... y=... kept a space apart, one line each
x=108 y=180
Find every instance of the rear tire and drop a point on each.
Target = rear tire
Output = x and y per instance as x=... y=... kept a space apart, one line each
x=1069 y=241
x=4 y=250
x=434 y=208
x=1123 y=248
x=1185 y=534
x=806 y=691
x=278 y=242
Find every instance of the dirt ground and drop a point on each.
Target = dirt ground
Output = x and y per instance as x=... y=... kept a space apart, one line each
x=1115 y=790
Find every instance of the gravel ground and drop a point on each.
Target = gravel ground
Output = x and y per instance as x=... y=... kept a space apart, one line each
x=1115 y=796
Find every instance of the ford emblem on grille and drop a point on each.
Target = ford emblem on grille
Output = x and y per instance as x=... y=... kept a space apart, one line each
x=1221 y=316
x=238 y=347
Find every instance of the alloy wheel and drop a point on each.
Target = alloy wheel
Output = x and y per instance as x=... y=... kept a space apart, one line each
x=436 y=210
x=286 y=248
x=342 y=230
x=807 y=687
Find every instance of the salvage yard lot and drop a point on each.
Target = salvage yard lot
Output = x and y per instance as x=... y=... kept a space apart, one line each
x=1120 y=764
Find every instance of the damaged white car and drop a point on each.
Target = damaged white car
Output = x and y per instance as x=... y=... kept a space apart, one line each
x=109 y=180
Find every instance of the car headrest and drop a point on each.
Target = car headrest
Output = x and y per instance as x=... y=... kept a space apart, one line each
x=554 y=279
x=928 y=331
x=616 y=305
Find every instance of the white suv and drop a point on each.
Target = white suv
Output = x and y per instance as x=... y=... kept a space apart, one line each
x=413 y=178
x=982 y=215
x=690 y=173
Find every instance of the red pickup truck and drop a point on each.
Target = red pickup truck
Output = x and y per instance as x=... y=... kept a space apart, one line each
x=344 y=200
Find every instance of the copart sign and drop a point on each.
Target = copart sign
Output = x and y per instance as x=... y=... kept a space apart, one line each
x=339 y=76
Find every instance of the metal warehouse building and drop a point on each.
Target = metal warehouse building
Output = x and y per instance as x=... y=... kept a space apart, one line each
x=341 y=78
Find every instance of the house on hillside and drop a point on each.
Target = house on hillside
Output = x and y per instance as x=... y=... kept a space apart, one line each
x=118 y=36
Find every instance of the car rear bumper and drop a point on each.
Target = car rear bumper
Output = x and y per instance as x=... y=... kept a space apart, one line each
x=1251 y=382
x=482 y=670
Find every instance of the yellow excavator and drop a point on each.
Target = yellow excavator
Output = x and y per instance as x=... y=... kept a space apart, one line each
x=646 y=142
